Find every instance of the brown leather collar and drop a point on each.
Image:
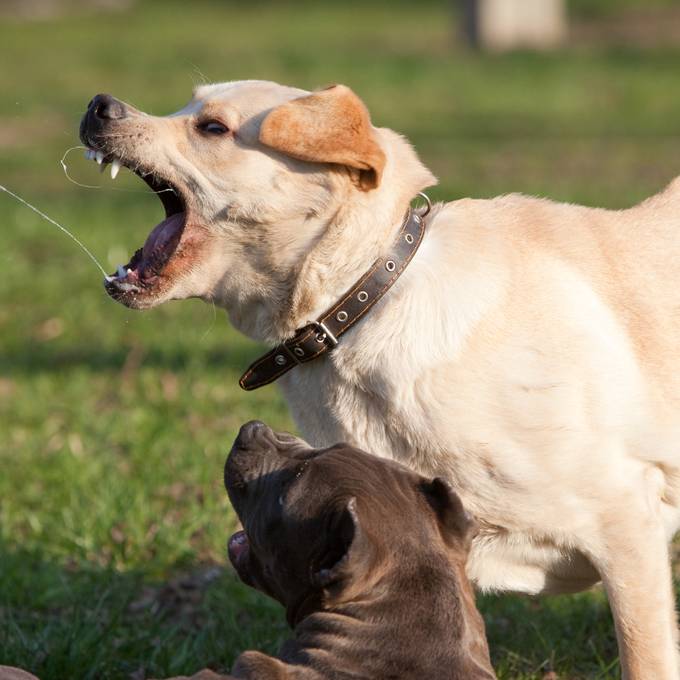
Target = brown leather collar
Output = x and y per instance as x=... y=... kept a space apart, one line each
x=317 y=337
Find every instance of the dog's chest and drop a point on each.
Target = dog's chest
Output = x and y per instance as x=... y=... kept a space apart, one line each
x=391 y=420
x=506 y=556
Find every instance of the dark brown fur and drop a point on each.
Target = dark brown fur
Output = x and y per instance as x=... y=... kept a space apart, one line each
x=367 y=557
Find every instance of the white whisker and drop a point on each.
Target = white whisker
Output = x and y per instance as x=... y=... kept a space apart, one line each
x=201 y=75
x=212 y=325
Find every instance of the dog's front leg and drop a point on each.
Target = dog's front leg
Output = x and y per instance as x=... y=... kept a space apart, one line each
x=634 y=564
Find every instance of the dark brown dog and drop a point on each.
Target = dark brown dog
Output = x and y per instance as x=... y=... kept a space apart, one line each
x=367 y=557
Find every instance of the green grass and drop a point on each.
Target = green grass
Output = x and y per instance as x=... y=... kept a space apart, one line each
x=114 y=424
x=605 y=8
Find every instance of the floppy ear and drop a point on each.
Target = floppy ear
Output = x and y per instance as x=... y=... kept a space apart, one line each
x=455 y=523
x=335 y=565
x=328 y=126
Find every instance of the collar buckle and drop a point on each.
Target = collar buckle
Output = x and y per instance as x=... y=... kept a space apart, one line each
x=320 y=336
x=324 y=334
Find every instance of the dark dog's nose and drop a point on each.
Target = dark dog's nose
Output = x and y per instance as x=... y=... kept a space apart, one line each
x=241 y=462
x=248 y=433
x=106 y=107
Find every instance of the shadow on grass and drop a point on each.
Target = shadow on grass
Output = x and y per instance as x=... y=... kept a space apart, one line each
x=64 y=622
x=40 y=358
x=571 y=635
x=89 y=622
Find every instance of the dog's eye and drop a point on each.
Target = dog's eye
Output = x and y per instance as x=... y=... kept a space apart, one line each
x=213 y=127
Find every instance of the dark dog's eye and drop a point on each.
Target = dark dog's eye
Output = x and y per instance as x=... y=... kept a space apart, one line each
x=213 y=127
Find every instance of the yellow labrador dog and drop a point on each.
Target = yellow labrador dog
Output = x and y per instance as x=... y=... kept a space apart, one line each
x=530 y=352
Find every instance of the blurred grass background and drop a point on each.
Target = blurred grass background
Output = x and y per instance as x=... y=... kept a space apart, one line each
x=114 y=424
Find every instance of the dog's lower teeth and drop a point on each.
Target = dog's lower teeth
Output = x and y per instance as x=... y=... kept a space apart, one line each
x=128 y=287
x=120 y=272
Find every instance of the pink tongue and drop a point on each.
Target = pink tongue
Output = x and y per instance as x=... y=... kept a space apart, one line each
x=163 y=233
x=238 y=544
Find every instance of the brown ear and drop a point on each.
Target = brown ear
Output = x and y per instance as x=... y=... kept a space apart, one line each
x=455 y=523
x=344 y=538
x=328 y=126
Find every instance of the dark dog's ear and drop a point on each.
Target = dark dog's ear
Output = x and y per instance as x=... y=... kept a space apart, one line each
x=455 y=523
x=328 y=126
x=335 y=566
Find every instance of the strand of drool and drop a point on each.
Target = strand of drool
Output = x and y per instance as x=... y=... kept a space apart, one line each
x=64 y=167
x=56 y=224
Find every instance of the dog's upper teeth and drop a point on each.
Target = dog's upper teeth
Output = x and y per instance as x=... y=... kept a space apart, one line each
x=99 y=157
x=120 y=272
x=115 y=167
x=103 y=167
x=89 y=154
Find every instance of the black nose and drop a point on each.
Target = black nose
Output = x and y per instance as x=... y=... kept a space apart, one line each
x=106 y=107
x=248 y=433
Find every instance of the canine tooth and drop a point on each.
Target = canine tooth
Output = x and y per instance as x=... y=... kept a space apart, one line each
x=103 y=167
x=115 y=167
x=120 y=272
x=99 y=156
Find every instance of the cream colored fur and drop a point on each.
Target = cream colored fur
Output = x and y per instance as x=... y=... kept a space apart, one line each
x=530 y=352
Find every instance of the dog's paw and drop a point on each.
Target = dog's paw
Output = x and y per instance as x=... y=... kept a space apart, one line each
x=11 y=673
x=205 y=674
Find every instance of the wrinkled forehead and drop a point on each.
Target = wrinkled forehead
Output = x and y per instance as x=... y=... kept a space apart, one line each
x=358 y=473
x=247 y=97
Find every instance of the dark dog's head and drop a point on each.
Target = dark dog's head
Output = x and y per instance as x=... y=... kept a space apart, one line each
x=323 y=526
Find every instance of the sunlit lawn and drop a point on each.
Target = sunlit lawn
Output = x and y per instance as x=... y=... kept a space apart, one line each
x=114 y=424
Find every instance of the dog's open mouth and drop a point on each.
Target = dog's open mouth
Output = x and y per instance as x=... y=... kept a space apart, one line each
x=141 y=275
